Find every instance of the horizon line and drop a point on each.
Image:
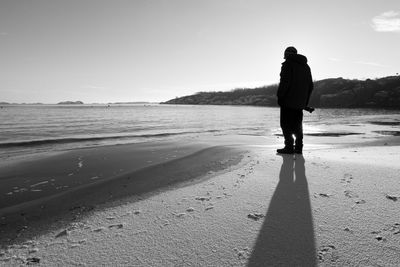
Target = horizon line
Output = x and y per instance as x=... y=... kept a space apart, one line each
x=4 y=102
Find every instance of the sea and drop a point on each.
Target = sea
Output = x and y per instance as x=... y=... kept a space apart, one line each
x=30 y=129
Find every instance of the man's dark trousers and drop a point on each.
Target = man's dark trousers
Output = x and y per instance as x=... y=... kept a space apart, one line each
x=292 y=124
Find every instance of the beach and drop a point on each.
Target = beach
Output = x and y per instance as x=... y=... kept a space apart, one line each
x=211 y=201
x=146 y=133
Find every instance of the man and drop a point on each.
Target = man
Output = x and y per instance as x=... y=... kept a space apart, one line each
x=294 y=93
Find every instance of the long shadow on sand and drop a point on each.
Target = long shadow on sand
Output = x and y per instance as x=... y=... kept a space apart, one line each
x=287 y=235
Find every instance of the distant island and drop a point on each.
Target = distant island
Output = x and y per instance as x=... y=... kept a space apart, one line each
x=328 y=93
x=7 y=103
x=70 y=103
x=82 y=103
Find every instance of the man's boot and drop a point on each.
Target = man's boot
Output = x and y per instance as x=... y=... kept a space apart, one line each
x=285 y=150
x=298 y=149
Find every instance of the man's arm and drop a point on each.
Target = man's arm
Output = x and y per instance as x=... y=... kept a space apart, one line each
x=310 y=87
x=284 y=83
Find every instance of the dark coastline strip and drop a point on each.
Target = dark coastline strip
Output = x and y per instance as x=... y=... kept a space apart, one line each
x=85 y=139
x=393 y=133
x=328 y=134
x=331 y=134
x=385 y=123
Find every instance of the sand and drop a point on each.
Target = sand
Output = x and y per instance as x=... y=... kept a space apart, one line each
x=216 y=201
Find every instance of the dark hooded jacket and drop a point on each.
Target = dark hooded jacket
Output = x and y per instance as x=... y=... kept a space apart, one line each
x=296 y=83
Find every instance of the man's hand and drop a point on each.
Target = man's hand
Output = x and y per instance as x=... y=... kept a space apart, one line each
x=309 y=109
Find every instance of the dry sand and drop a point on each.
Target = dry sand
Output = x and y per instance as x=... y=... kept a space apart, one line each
x=214 y=202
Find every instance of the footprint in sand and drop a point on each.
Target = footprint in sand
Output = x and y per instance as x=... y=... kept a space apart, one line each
x=117 y=226
x=209 y=207
x=327 y=253
x=347 y=229
x=242 y=254
x=203 y=198
x=255 y=216
x=32 y=260
x=347 y=178
x=387 y=231
x=180 y=215
x=391 y=197
x=350 y=194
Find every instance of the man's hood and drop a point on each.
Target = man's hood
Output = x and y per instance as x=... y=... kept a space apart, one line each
x=297 y=58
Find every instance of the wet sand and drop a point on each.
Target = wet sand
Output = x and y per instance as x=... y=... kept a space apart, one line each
x=50 y=185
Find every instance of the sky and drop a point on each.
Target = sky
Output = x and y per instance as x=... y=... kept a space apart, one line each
x=101 y=51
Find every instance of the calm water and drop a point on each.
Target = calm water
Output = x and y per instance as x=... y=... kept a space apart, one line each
x=37 y=128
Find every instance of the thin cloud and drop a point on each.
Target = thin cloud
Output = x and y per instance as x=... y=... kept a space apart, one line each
x=387 y=22
x=92 y=87
x=370 y=63
x=334 y=59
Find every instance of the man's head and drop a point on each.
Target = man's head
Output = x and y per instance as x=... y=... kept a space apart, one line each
x=290 y=51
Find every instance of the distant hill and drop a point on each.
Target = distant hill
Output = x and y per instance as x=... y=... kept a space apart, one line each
x=328 y=93
x=70 y=103
x=4 y=103
x=130 y=103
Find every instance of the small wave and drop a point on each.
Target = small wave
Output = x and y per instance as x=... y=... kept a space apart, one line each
x=50 y=141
